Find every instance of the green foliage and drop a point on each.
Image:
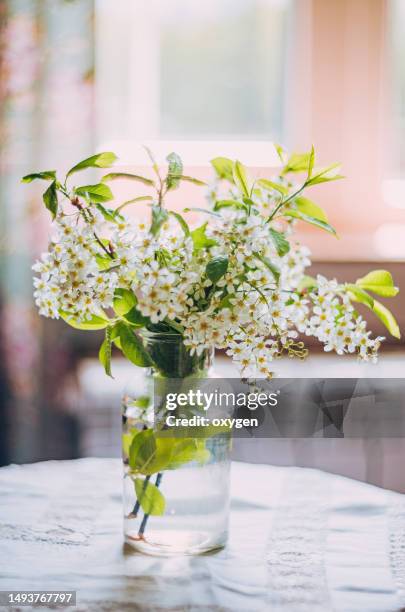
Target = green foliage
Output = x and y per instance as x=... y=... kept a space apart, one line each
x=50 y=198
x=136 y=318
x=159 y=216
x=149 y=497
x=152 y=452
x=92 y=324
x=181 y=221
x=297 y=214
x=298 y=162
x=200 y=239
x=127 y=439
x=95 y=193
x=223 y=168
x=206 y=211
x=241 y=179
x=309 y=208
x=46 y=175
x=104 y=354
x=216 y=268
x=191 y=179
x=387 y=318
x=272 y=186
x=100 y=160
x=358 y=294
x=108 y=213
x=123 y=301
x=307 y=283
x=132 y=201
x=174 y=172
x=280 y=242
x=325 y=175
x=230 y=204
x=105 y=263
x=269 y=265
x=113 y=176
x=379 y=282
x=132 y=346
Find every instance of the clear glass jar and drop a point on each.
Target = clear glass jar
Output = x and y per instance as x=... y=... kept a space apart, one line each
x=176 y=490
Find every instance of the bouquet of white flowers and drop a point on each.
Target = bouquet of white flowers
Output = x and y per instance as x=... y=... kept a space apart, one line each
x=237 y=282
x=167 y=295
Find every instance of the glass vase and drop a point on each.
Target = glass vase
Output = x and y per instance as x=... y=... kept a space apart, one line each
x=176 y=489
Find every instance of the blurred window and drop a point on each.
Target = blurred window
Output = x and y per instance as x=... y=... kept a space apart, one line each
x=397 y=55
x=192 y=70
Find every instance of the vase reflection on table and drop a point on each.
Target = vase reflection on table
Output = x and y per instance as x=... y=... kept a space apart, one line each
x=176 y=487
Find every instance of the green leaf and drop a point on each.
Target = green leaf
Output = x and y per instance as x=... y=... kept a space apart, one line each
x=271 y=186
x=149 y=497
x=133 y=201
x=104 y=354
x=113 y=176
x=357 y=294
x=202 y=210
x=324 y=175
x=297 y=214
x=142 y=450
x=136 y=318
x=109 y=214
x=50 y=198
x=223 y=168
x=46 y=175
x=269 y=265
x=387 y=318
x=379 y=282
x=280 y=242
x=153 y=161
x=182 y=222
x=175 y=171
x=127 y=439
x=95 y=193
x=311 y=209
x=159 y=216
x=298 y=162
x=96 y=322
x=149 y=454
x=241 y=179
x=100 y=160
x=200 y=239
x=191 y=179
x=123 y=301
x=229 y=204
x=216 y=268
x=105 y=263
x=132 y=346
x=307 y=282
x=282 y=155
x=187 y=450
x=311 y=162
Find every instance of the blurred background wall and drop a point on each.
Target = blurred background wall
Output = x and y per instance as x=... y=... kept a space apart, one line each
x=76 y=75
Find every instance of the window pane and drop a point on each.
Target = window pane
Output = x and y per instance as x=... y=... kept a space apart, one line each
x=397 y=47
x=222 y=68
x=191 y=70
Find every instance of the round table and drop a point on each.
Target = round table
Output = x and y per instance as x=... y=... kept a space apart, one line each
x=300 y=540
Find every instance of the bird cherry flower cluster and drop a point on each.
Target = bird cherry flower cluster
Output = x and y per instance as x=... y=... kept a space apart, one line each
x=236 y=282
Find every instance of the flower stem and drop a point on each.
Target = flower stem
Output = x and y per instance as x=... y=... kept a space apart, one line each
x=146 y=516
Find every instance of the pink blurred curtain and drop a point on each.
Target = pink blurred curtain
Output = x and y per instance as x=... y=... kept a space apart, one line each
x=46 y=102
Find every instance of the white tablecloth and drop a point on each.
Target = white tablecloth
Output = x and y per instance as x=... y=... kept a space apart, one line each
x=300 y=540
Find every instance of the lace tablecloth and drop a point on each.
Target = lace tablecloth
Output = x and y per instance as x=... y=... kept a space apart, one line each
x=300 y=540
